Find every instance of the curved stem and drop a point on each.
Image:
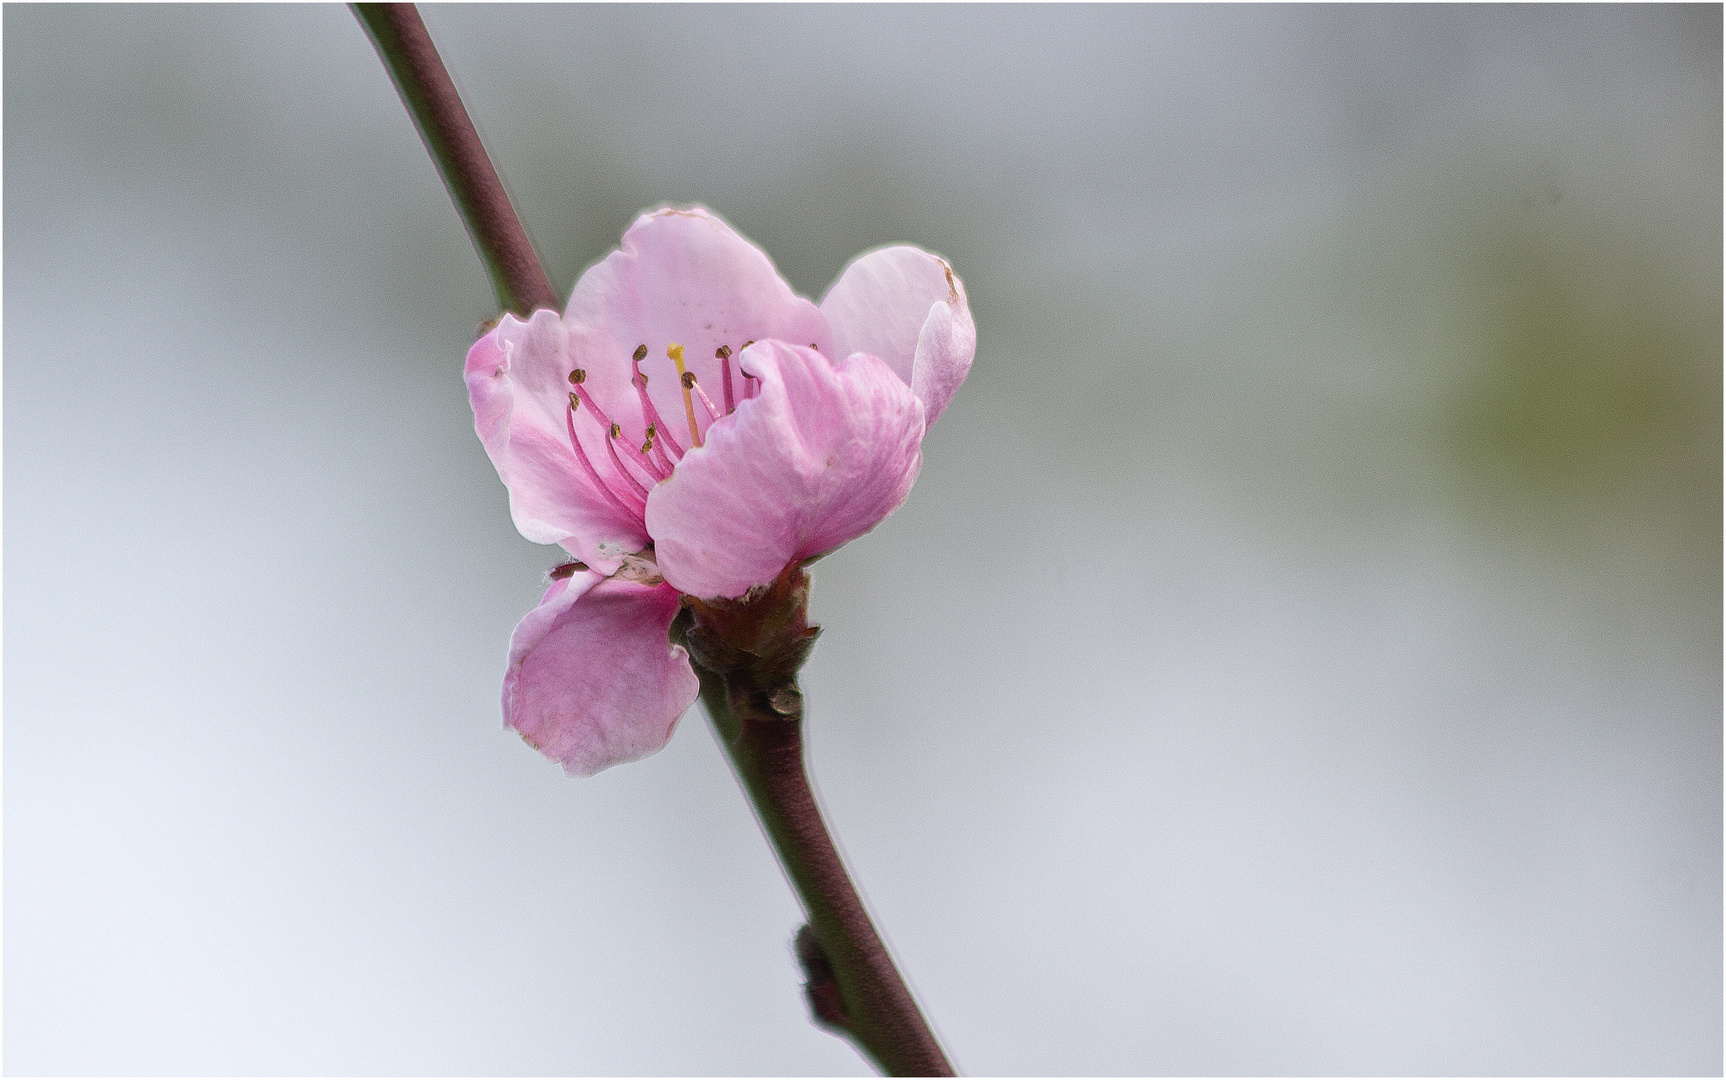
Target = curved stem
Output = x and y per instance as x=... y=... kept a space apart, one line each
x=854 y=988
x=430 y=96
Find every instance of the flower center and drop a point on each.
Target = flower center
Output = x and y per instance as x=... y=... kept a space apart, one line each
x=634 y=470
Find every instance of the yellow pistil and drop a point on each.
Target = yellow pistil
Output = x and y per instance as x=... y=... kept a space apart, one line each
x=675 y=352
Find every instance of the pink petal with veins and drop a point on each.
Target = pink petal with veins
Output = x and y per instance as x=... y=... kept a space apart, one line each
x=593 y=681
x=816 y=459
x=907 y=307
x=517 y=379
x=684 y=277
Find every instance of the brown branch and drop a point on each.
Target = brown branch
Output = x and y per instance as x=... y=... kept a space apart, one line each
x=747 y=655
x=431 y=99
x=874 y=1006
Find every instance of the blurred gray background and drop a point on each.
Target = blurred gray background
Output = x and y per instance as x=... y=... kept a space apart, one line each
x=1301 y=654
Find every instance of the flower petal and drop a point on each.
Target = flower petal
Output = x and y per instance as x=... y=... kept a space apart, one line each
x=683 y=276
x=593 y=682
x=816 y=459
x=945 y=347
x=517 y=380
x=909 y=308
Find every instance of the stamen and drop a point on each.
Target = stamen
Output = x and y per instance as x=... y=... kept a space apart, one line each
x=592 y=473
x=648 y=412
x=648 y=465
x=586 y=398
x=689 y=384
x=723 y=355
x=611 y=447
x=675 y=351
x=652 y=464
x=662 y=461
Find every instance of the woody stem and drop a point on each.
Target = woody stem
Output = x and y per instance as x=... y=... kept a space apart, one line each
x=854 y=989
x=430 y=95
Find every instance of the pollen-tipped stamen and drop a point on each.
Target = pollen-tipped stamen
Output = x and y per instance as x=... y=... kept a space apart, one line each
x=578 y=378
x=690 y=385
x=659 y=456
x=723 y=355
x=586 y=465
x=587 y=399
x=675 y=352
x=615 y=434
x=649 y=461
x=648 y=412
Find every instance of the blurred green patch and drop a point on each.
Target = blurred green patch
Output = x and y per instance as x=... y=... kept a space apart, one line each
x=1594 y=381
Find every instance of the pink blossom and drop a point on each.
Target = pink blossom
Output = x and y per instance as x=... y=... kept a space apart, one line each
x=690 y=426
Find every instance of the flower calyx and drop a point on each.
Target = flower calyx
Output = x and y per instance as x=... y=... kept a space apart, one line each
x=757 y=642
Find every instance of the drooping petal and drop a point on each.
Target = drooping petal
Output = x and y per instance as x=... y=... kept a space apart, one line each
x=684 y=276
x=517 y=379
x=816 y=459
x=907 y=307
x=592 y=680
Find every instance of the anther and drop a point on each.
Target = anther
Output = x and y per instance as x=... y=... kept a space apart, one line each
x=574 y=401
x=628 y=478
x=587 y=466
x=578 y=376
x=648 y=412
x=675 y=352
x=723 y=355
x=644 y=457
x=653 y=454
x=614 y=430
x=706 y=402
